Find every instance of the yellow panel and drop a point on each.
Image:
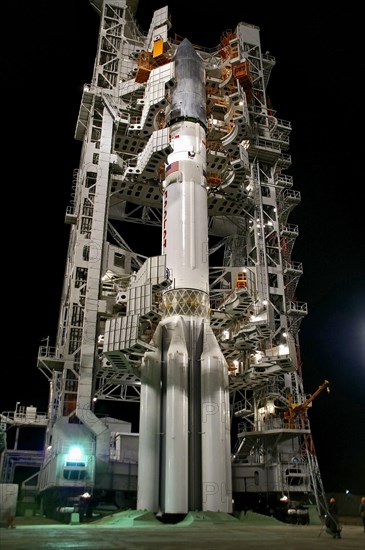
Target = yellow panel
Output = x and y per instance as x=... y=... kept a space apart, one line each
x=158 y=48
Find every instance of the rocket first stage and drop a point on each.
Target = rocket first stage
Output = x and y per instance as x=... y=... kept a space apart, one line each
x=184 y=441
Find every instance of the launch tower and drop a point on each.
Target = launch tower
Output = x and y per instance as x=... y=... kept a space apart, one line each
x=204 y=333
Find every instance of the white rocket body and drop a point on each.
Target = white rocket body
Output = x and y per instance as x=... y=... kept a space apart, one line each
x=184 y=421
x=185 y=210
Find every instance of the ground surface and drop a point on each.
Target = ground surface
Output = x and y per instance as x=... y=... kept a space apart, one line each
x=125 y=532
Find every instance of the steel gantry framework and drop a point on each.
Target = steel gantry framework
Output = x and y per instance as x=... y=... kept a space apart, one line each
x=112 y=301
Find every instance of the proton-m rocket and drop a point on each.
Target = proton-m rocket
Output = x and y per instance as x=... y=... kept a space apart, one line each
x=184 y=450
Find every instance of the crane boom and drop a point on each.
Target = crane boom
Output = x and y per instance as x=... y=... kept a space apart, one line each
x=296 y=409
x=314 y=395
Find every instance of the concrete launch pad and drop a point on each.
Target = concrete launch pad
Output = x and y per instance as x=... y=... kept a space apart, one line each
x=198 y=533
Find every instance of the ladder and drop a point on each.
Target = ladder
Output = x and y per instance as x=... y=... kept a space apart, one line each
x=316 y=479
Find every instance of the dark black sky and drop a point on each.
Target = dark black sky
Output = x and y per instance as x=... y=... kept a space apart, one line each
x=316 y=84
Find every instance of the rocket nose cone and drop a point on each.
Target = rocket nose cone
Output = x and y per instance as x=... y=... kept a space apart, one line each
x=186 y=50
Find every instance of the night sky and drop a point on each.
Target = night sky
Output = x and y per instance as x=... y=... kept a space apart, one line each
x=316 y=85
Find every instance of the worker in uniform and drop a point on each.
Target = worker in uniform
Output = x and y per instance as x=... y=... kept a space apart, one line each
x=84 y=507
x=332 y=522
